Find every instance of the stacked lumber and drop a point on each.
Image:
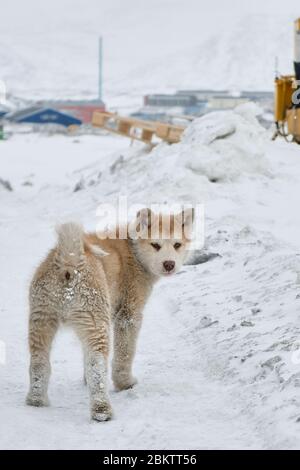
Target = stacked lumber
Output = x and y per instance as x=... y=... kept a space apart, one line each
x=136 y=129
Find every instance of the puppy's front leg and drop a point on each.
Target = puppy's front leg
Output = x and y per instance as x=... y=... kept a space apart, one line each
x=126 y=328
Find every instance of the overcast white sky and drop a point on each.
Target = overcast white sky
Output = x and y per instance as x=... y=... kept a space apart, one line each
x=39 y=16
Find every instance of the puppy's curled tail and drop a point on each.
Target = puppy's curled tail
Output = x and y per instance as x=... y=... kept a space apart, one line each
x=72 y=248
x=70 y=255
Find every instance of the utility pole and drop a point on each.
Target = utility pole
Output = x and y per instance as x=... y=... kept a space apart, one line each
x=100 y=64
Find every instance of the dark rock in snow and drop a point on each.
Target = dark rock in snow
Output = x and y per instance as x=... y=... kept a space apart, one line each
x=200 y=257
x=79 y=186
x=232 y=328
x=255 y=310
x=247 y=323
x=6 y=185
x=270 y=363
x=206 y=322
x=117 y=164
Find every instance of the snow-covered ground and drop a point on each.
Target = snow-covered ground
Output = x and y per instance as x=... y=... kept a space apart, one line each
x=217 y=360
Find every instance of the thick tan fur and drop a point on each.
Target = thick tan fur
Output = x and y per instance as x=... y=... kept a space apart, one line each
x=89 y=283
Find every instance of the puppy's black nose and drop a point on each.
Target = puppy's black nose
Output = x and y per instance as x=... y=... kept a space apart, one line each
x=169 y=265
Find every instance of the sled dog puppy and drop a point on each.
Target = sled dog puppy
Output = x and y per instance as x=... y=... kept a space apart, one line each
x=90 y=283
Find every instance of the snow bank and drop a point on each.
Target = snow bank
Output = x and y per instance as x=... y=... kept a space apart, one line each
x=244 y=326
x=226 y=144
x=222 y=146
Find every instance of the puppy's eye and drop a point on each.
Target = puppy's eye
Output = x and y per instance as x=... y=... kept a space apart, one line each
x=156 y=246
x=177 y=246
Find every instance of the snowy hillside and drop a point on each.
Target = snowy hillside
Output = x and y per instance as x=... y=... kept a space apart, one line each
x=52 y=52
x=218 y=361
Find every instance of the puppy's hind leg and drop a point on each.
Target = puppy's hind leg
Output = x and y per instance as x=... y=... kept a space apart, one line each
x=42 y=328
x=95 y=339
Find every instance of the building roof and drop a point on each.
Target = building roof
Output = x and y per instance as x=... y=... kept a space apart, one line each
x=258 y=94
x=229 y=97
x=4 y=108
x=60 y=103
x=177 y=100
x=43 y=115
x=227 y=93
x=21 y=113
x=201 y=92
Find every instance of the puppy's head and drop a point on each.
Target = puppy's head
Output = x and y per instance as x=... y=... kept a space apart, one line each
x=163 y=240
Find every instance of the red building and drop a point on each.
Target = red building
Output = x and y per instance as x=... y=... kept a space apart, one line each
x=80 y=109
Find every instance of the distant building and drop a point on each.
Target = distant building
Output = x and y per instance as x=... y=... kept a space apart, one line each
x=202 y=95
x=80 y=109
x=43 y=115
x=198 y=102
x=264 y=98
x=226 y=101
x=150 y=114
x=162 y=106
x=170 y=100
x=258 y=95
x=207 y=95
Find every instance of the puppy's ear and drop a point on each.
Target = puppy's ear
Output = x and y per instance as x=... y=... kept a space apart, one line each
x=145 y=218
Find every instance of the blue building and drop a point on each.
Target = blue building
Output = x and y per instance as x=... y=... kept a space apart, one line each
x=42 y=115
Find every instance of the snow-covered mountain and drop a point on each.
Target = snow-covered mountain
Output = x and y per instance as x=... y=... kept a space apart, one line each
x=167 y=45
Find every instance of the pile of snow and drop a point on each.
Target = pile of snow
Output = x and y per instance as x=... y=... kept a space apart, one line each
x=221 y=146
x=226 y=144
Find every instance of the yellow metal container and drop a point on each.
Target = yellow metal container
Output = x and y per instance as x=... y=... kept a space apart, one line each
x=283 y=96
x=286 y=110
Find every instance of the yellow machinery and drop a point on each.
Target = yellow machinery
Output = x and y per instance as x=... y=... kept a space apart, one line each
x=287 y=98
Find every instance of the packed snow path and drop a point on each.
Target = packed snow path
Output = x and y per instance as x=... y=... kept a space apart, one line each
x=173 y=406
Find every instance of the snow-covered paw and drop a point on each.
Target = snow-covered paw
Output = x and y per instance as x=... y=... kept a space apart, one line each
x=124 y=383
x=101 y=411
x=36 y=400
